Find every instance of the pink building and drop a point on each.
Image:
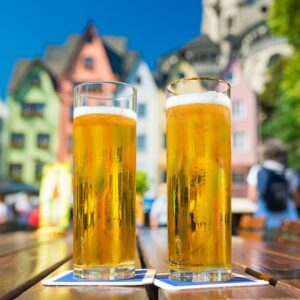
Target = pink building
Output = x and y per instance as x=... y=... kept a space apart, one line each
x=88 y=63
x=244 y=127
x=86 y=57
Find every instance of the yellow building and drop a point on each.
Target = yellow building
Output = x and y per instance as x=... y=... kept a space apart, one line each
x=182 y=68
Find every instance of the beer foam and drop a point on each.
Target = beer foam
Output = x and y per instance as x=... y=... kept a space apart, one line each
x=210 y=97
x=104 y=110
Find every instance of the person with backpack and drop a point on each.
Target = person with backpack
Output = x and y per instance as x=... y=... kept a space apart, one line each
x=274 y=187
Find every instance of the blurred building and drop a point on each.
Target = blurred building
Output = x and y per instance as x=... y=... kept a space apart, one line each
x=235 y=44
x=32 y=127
x=148 y=112
x=3 y=119
x=182 y=68
x=41 y=102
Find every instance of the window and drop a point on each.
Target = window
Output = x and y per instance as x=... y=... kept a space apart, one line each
x=141 y=110
x=273 y=60
x=17 y=140
x=138 y=79
x=231 y=77
x=180 y=75
x=15 y=171
x=238 y=109
x=264 y=9
x=229 y=23
x=43 y=141
x=164 y=140
x=38 y=170
x=88 y=63
x=164 y=176
x=239 y=142
x=141 y=142
x=70 y=144
x=89 y=38
x=238 y=177
x=71 y=113
x=33 y=109
x=35 y=80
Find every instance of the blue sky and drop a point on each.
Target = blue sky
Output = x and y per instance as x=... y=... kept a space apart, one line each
x=153 y=27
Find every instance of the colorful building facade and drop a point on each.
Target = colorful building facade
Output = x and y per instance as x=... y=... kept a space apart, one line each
x=235 y=44
x=48 y=84
x=34 y=108
x=4 y=113
x=244 y=127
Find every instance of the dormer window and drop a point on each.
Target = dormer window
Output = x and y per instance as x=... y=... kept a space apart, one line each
x=230 y=23
x=264 y=9
x=35 y=80
x=89 y=38
x=88 y=63
x=180 y=75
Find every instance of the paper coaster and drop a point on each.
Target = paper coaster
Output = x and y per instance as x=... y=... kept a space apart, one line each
x=164 y=282
x=142 y=277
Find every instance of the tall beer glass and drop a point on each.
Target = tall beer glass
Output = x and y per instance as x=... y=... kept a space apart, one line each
x=199 y=179
x=104 y=180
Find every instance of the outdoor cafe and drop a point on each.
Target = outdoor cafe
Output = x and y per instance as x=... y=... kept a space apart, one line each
x=106 y=256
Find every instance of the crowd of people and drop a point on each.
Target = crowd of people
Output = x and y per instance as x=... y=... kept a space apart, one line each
x=18 y=212
x=273 y=185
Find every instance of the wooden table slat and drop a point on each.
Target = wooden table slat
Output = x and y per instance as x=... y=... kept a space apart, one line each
x=17 y=241
x=153 y=244
x=266 y=263
x=24 y=268
x=38 y=291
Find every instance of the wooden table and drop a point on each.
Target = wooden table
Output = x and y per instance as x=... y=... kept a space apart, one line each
x=273 y=262
x=26 y=259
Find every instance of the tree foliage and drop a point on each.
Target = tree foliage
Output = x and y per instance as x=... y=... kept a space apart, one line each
x=284 y=20
x=280 y=101
x=142 y=184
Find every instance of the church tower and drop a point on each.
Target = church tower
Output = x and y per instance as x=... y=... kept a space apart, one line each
x=210 y=20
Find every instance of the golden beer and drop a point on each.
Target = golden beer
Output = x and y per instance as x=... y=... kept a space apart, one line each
x=199 y=188
x=104 y=193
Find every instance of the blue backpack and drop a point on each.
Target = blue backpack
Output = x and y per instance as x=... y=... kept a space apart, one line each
x=274 y=189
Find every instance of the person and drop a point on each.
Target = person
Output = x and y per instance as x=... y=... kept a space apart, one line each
x=158 y=213
x=3 y=211
x=274 y=186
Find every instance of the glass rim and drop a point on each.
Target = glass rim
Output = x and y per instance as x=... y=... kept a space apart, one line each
x=176 y=81
x=117 y=83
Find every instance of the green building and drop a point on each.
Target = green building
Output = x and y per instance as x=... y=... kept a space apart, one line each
x=32 y=128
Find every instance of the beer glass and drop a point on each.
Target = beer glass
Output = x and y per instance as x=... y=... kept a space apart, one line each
x=104 y=155
x=198 y=112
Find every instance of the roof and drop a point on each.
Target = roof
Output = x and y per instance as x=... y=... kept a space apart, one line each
x=202 y=43
x=19 y=71
x=116 y=43
x=128 y=62
x=22 y=67
x=57 y=58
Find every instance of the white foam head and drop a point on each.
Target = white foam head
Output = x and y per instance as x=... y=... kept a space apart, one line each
x=104 y=110
x=210 y=97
